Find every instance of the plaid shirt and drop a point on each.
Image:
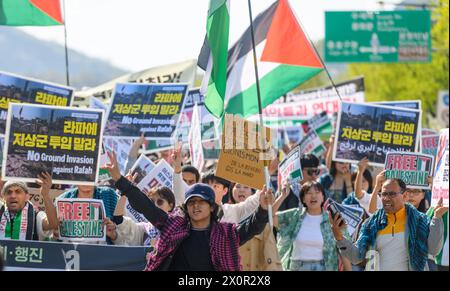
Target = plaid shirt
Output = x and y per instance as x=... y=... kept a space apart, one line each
x=224 y=243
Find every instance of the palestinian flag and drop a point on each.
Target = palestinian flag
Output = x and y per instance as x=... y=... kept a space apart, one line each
x=30 y=12
x=215 y=49
x=285 y=57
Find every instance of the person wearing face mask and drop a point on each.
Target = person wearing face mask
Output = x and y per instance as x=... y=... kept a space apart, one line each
x=260 y=253
x=305 y=240
x=396 y=237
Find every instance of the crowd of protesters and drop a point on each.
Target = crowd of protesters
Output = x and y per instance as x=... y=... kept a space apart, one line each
x=206 y=223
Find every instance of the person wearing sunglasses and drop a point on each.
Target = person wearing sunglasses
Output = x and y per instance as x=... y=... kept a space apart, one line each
x=310 y=171
x=124 y=230
x=396 y=237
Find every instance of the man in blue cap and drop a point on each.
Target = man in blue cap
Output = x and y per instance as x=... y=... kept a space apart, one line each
x=191 y=237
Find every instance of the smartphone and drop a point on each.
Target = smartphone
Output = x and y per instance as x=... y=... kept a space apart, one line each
x=333 y=212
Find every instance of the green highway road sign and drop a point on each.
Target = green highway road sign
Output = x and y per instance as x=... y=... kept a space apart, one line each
x=383 y=36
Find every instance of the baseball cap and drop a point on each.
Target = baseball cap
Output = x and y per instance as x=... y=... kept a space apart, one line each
x=200 y=190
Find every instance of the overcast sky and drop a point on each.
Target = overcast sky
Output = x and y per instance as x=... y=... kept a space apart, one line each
x=139 y=34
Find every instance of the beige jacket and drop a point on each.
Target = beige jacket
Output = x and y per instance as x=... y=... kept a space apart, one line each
x=261 y=253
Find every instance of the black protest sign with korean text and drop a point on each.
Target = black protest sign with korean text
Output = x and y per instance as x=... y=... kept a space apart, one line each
x=369 y=130
x=152 y=109
x=17 y=89
x=64 y=142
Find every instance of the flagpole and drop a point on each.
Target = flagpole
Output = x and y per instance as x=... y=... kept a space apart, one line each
x=65 y=45
x=261 y=121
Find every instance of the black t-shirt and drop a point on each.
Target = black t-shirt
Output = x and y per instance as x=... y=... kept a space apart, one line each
x=193 y=253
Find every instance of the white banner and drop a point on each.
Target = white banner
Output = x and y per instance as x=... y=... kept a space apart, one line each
x=183 y=72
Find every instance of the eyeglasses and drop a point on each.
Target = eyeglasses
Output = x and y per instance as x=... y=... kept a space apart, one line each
x=391 y=194
x=312 y=171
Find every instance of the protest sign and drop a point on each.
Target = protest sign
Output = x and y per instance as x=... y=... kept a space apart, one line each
x=161 y=175
x=318 y=122
x=208 y=123
x=293 y=134
x=18 y=89
x=142 y=168
x=133 y=214
x=442 y=108
x=370 y=130
x=62 y=141
x=411 y=168
x=243 y=155
x=211 y=149
x=38 y=201
x=96 y=103
x=427 y=131
x=122 y=148
x=103 y=174
x=81 y=219
x=153 y=146
x=296 y=108
x=411 y=104
x=440 y=179
x=429 y=144
x=151 y=109
x=51 y=256
x=290 y=170
x=183 y=72
x=195 y=141
x=350 y=214
x=311 y=144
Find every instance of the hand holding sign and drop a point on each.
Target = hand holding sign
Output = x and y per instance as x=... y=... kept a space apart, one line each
x=266 y=198
x=110 y=228
x=336 y=224
x=112 y=167
x=130 y=177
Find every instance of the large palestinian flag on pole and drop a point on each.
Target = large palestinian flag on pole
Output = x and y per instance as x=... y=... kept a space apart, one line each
x=285 y=57
x=30 y=12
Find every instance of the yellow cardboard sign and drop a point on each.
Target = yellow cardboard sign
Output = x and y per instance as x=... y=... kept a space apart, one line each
x=242 y=157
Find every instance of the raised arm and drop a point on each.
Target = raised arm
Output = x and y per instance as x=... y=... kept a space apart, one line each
x=362 y=165
x=379 y=180
x=137 y=199
x=257 y=222
x=436 y=236
x=178 y=184
x=284 y=193
x=329 y=157
x=134 y=152
x=45 y=181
